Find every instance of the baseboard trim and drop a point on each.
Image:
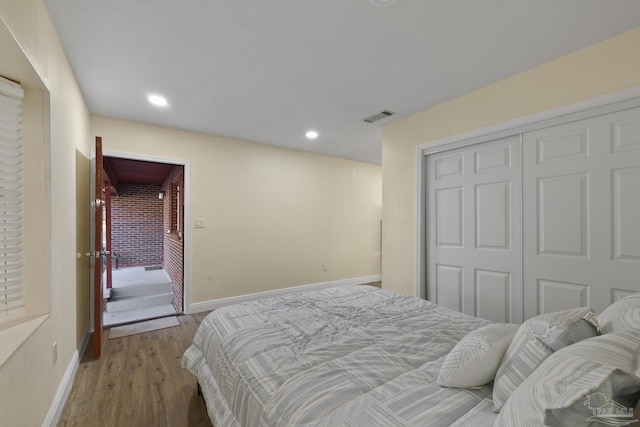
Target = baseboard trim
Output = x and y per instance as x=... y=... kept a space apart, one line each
x=217 y=303
x=64 y=389
x=85 y=339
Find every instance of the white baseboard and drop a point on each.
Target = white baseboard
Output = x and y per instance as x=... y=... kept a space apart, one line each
x=64 y=388
x=85 y=338
x=217 y=303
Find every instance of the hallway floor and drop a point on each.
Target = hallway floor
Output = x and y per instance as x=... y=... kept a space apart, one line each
x=138 y=382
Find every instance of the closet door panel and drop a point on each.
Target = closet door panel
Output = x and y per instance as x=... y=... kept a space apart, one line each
x=557 y=296
x=492 y=215
x=626 y=214
x=562 y=215
x=449 y=285
x=625 y=133
x=449 y=216
x=493 y=289
x=581 y=196
x=474 y=229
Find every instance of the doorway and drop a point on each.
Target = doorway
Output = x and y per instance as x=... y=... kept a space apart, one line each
x=144 y=232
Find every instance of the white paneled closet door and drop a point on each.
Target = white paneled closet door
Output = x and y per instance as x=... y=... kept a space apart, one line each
x=474 y=229
x=581 y=213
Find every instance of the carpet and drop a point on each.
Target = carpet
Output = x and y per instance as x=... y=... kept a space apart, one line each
x=142 y=327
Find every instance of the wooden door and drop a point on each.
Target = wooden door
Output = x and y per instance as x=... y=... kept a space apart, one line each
x=474 y=229
x=97 y=252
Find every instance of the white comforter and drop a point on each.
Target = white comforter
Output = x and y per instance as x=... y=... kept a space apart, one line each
x=346 y=356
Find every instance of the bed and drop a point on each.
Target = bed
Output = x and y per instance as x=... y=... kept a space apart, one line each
x=363 y=356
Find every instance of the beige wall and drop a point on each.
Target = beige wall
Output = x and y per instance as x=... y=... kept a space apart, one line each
x=273 y=216
x=265 y=239
x=602 y=68
x=28 y=379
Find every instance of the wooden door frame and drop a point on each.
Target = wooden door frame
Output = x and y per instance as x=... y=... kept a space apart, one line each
x=97 y=297
x=107 y=219
x=186 y=234
x=609 y=103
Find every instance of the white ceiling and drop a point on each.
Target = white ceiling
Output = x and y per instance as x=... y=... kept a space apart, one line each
x=268 y=70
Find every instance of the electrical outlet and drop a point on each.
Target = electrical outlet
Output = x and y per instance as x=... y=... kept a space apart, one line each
x=54 y=354
x=325 y=266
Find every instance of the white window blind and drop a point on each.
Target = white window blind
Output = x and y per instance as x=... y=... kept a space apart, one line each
x=12 y=297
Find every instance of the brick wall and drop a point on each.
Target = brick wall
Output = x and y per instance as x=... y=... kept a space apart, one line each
x=137 y=225
x=173 y=241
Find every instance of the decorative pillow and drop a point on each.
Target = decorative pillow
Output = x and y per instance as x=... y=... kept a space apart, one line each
x=579 y=384
x=622 y=314
x=474 y=360
x=535 y=340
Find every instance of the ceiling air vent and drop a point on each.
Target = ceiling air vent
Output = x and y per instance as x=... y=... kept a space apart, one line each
x=378 y=116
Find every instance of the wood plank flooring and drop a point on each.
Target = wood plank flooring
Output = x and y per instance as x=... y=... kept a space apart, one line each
x=138 y=382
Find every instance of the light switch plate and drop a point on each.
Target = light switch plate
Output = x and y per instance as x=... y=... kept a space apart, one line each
x=199 y=223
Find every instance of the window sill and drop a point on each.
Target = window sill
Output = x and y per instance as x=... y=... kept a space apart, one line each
x=13 y=335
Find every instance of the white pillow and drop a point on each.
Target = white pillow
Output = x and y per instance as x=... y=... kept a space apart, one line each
x=535 y=340
x=622 y=314
x=474 y=361
x=571 y=383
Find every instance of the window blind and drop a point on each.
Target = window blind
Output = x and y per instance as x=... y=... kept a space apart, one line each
x=12 y=296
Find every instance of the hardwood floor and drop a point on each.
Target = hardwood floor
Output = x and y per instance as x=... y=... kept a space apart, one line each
x=138 y=382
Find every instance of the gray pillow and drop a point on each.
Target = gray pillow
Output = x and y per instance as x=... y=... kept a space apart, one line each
x=622 y=314
x=537 y=339
x=572 y=386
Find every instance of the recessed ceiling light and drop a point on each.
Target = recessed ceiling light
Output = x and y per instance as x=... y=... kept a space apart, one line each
x=157 y=100
x=312 y=134
x=382 y=3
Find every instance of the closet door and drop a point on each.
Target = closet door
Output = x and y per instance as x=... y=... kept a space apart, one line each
x=474 y=229
x=581 y=213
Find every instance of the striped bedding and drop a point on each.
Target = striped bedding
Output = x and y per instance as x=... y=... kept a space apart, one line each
x=345 y=356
